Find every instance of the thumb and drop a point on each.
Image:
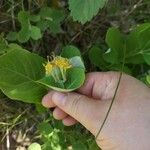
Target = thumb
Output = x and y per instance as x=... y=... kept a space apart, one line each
x=87 y=111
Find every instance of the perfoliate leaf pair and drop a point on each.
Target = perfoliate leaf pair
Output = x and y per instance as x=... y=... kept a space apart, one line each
x=66 y=72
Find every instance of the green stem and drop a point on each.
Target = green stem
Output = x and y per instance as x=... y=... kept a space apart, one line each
x=109 y=106
x=113 y=99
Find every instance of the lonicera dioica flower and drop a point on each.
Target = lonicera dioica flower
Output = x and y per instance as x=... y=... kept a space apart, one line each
x=66 y=72
x=57 y=67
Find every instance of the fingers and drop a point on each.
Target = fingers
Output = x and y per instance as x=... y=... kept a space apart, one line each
x=100 y=85
x=47 y=101
x=59 y=114
x=88 y=112
x=69 y=121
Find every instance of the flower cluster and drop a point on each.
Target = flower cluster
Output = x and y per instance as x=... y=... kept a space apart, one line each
x=57 y=67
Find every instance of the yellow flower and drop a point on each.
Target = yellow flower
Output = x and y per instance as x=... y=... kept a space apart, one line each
x=57 y=62
x=62 y=63
x=48 y=68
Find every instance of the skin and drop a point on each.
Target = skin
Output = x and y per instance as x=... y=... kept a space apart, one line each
x=128 y=124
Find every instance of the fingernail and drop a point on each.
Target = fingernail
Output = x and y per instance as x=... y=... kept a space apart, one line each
x=59 y=98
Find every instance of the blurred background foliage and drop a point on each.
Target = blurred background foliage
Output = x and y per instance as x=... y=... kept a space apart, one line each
x=29 y=24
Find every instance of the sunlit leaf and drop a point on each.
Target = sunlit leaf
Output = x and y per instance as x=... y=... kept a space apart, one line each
x=115 y=41
x=35 y=33
x=75 y=78
x=19 y=69
x=70 y=51
x=35 y=146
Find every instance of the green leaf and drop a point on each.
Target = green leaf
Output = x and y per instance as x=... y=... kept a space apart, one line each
x=27 y=30
x=116 y=43
x=93 y=145
x=45 y=128
x=19 y=69
x=12 y=36
x=138 y=45
x=40 y=108
x=79 y=146
x=13 y=46
x=52 y=18
x=35 y=146
x=54 y=27
x=77 y=62
x=23 y=18
x=111 y=56
x=35 y=33
x=43 y=25
x=70 y=51
x=34 y=18
x=85 y=10
x=148 y=78
x=23 y=35
x=146 y=57
x=96 y=57
x=75 y=78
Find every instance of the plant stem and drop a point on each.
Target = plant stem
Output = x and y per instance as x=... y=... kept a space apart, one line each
x=113 y=99
x=13 y=16
x=109 y=106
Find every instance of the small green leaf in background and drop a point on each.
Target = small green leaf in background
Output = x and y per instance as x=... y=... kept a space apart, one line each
x=23 y=35
x=19 y=70
x=35 y=146
x=27 y=30
x=35 y=33
x=115 y=42
x=40 y=108
x=23 y=18
x=83 y=10
x=70 y=51
x=96 y=57
x=12 y=36
x=148 y=78
x=45 y=128
x=34 y=18
x=51 y=18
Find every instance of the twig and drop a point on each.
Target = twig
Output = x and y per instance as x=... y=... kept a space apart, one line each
x=7 y=139
x=133 y=8
x=13 y=16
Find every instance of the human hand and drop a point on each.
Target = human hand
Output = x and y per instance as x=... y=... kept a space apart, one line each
x=127 y=126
